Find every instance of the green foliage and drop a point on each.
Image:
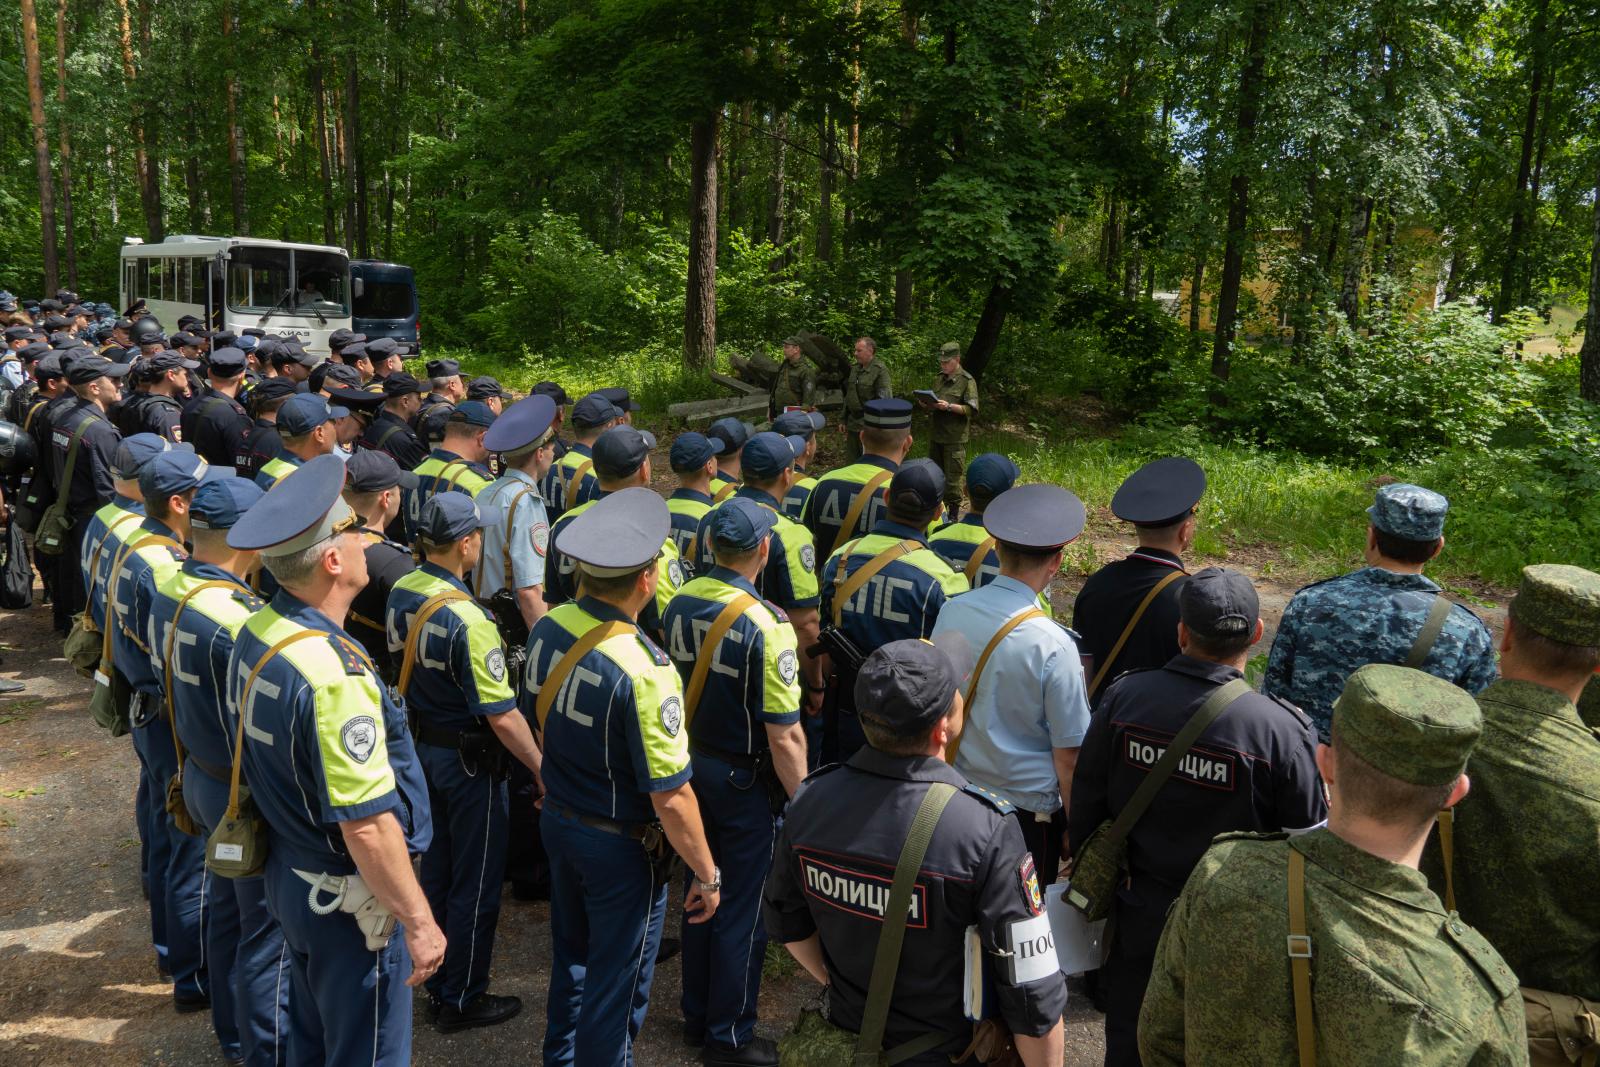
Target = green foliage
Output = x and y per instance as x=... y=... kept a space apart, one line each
x=1141 y=344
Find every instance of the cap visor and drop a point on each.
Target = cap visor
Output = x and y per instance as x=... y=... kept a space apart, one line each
x=407 y=480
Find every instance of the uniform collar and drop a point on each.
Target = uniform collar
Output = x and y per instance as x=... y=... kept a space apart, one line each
x=1372 y=874
x=602 y=611
x=446 y=455
x=683 y=493
x=873 y=460
x=211 y=572
x=1397 y=580
x=517 y=474
x=127 y=503
x=1532 y=697
x=905 y=768
x=154 y=525
x=733 y=578
x=581 y=449
x=890 y=528
x=971 y=518
x=1019 y=591
x=760 y=496
x=434 y=570
x=285 y=456
x=1156 y=555
x=1203 y=669
x=296 y=610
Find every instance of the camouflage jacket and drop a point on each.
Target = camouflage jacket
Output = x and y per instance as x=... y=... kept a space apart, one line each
x=949 y=427
x=1394 y=979
x=795 y=386
x=1527 y=870
x=864 y=383
x=1368 y=616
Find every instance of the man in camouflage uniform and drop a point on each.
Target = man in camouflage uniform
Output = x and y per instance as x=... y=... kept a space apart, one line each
x=1525 y=866
x=868 y=380
x=796 y=383
x=1378 y=614
x=957 y=393
x=1387 y=976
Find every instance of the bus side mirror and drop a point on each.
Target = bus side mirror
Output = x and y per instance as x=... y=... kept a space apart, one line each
x=358 y=287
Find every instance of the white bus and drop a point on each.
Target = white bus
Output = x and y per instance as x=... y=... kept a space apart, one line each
x=288 y=290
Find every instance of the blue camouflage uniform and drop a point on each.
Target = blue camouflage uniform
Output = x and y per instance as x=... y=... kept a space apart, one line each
x=752 y=684
x=174 y=860
x=458 y=682
x=1368 y=616
x=248 y=967
x=902 y=600
x=613 y=737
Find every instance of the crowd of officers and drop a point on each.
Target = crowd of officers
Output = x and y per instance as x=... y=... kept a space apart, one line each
x=430 y=645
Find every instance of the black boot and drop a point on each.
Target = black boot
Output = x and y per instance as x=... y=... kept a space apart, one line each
x=485 y=1009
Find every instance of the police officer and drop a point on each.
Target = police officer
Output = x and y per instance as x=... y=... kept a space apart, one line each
x=334 y=775
x=731 y=434
x=622 y=400
x=1028 y=713
x=444 y=375
x=571 y=480
x=1127 y=611
x=390 y=431
x=175 y=860
x=387 y=356
x=456 y=463
x=214 y=421
x=264 y=443
x=105 y=533
x=490 y=391
x=952 y=406
x=804 y=425
x=900 y=596
x=621 y=461
x=195 y=615
x=1383 y=966
x=795 y=384
x=868 y=380
x=694 y=461
x=959 y=542
x=885 y=441
x=842 y=838
x=373 y=492
x=84 y=419
x=559 y=395
x=1522 y=871
x=307 y=426
x=1253 y=769
x=458 y=698
x=516 y=542
x=359 y=359
x=617 y=775
x=338 y=339
x=1382 y=613
x=748 y=754
x=362 y=406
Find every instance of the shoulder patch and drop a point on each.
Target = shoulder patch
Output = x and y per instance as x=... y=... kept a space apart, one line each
x=994 y=800
x=349 y=658
x=808 y=558
x=777 y=612
x=660 y=658
x=249 y=599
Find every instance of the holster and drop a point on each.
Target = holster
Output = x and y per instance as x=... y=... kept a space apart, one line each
x=482 y=747
x=351 y=895
x=663 y=860
x=992 y=1044
x=767 y=778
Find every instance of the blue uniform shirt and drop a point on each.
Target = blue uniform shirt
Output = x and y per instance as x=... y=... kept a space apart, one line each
x=562 y=572
x=559 y=493
x=443 y=470
x=105 y=535
x=790 y=577
x=324 y=743
x=1368 y=616
x=528 y=532
x=687 y=507
x=753 y=680
x=830 y=501
x=201 y=643
x=277 y=468
x=460 y=670
x=794 y=501
x=1030 y=700
x=133 y=589
x=615 y=731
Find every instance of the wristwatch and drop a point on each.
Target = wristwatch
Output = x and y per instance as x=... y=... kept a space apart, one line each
x=713 y=886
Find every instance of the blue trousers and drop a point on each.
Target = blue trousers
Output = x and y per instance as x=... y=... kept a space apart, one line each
x=606 y=913
x=246 y=961
x=176 y=864
x=722 y=958
x=348 y=1005
x=463 y=871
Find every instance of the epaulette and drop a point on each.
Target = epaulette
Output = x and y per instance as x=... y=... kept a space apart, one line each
x=1252 y=835
x=826 y=768
x=1300 y=716
x=661 y=658
x=349 y=658
x=177 y=555
x=1125 y=674
x=778 y=613
x=1313 y=585
x=994 y=800
x=1077 y=638
x=249 y=599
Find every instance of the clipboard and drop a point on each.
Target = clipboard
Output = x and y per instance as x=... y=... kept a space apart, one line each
x=926 y=396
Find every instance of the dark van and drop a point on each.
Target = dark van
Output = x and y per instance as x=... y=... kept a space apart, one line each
x=385 y=301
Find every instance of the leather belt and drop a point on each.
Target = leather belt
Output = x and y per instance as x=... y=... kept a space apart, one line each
x=745 y=761
x=221 y=774
x=438 y=736
x=635 y=830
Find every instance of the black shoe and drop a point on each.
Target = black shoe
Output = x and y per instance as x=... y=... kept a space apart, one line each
x=7 y=687
x=693 y=1036
x=486 y=1009
x=527 y=891
x=758 y=1052
x=430 y=1007
x=190 y=1004
x=670 y=947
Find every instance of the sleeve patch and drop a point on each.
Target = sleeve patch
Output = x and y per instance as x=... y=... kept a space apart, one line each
x=495 y=664
x=1030 y=886
x=788 y=666
x=359 y=737
x=540 y=536
x=808 y=558
x=672 y=715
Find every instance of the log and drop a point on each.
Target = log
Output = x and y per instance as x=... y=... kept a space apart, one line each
x=737 y=385
x=823 y=352
x=698 y=412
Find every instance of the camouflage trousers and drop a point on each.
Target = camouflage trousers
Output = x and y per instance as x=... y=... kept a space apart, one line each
x=952 y=459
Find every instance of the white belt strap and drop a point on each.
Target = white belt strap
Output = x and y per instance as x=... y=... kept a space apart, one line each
x=350 y=895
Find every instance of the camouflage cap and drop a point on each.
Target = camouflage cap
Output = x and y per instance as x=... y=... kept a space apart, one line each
x=949 y=350
x=1559 y=602
x=1410 y=512
x=1407 y=723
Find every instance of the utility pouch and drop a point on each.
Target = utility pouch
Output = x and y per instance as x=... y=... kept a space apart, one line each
x=237 y=848
x=110 y=700
x=178 y=809
x=50 y=536
x=82 y=645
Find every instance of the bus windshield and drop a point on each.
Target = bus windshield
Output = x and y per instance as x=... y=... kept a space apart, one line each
x=283 y=281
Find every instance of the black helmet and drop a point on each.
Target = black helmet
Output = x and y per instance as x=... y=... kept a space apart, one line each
x=17 y=451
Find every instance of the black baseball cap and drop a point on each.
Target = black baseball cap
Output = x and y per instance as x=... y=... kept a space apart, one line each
x=371 y=471
x=906 y=685
x=1219 y=603
x=621 y=450
x=917 y=486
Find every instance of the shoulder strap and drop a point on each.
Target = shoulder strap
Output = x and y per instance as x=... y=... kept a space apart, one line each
x=1432 y=627
x=244 y=705
x=172 y=635
x=857 y=506
x=414 y=638
x=977 y=672
x=1447 y=852
x=708 y=652
x=886 y=961
x=1218 y=702
x=505 y=549
x=388 y=432
x=116 y=567
x=27 y=420
x=94 y=557
x=72 y=452
x=455 y=479
x=979 y=554
x=1300 y=961
x=725 y=492
x=1127 y=631
x=863 y=575
x=575 y=478
x=557 y=677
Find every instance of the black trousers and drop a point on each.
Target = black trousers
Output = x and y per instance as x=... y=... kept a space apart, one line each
x=527 y=866
x=1135 y=932
x=1043 y=838
x=69 y=597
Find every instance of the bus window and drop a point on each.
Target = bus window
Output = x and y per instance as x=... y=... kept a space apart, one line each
x=199 y=278
x=180 y=286
x=320 y=282
x=259 y=279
